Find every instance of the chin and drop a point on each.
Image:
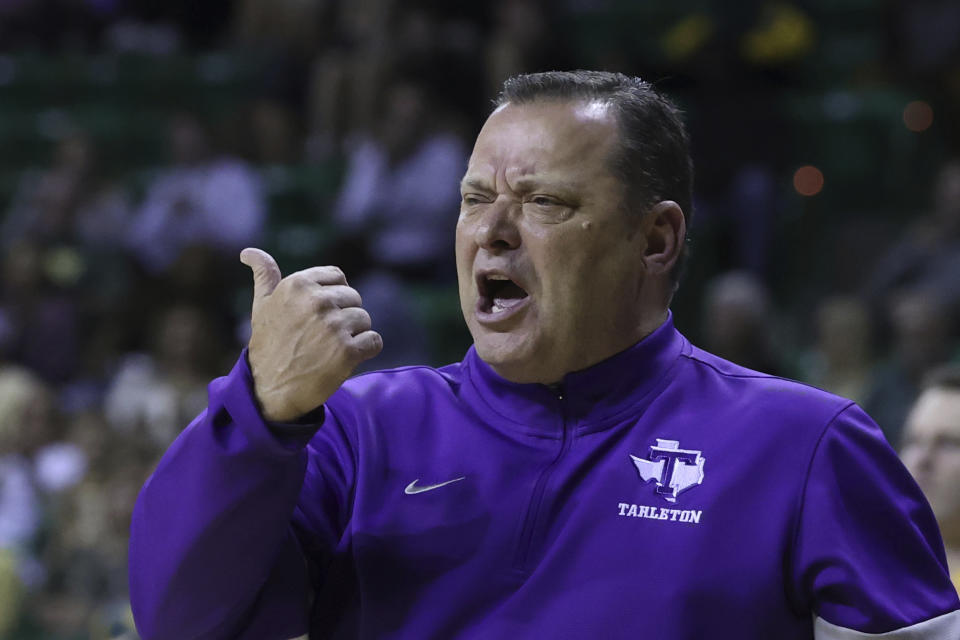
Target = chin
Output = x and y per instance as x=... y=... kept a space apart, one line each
x=526 y=368
x=510 y=356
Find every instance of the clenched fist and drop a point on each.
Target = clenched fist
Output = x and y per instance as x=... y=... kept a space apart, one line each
x=308 y=333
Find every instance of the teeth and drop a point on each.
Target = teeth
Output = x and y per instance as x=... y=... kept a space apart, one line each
x=499 y=305
x=497 y=276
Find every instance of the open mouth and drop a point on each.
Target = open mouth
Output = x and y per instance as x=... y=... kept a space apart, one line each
x=498 y=293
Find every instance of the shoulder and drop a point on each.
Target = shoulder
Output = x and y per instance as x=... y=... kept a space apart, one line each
x=753 y=396
x=399 y=387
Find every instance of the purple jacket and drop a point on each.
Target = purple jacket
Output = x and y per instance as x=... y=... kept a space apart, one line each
x=663 y=493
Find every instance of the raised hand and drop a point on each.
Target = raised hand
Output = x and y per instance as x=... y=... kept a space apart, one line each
x=308 y=334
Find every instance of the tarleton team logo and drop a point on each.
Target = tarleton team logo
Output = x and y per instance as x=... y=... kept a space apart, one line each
x=673 y=469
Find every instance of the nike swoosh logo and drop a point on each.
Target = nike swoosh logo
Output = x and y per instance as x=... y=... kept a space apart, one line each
x=412 y=488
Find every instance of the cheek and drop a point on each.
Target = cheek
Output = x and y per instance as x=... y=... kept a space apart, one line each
x=909 y=458
x=462 y=242
x=950 y=465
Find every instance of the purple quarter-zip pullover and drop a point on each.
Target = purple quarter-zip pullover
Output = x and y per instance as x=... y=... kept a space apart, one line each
x=662 y=494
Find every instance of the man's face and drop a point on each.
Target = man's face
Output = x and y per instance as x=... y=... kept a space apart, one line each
x=931 y=452
x=549 y=263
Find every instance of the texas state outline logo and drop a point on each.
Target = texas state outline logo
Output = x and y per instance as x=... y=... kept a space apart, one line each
x=674 y=470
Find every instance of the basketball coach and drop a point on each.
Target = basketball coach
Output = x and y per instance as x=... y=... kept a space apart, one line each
x=584 y=472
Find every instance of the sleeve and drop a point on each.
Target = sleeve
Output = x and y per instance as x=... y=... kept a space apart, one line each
x=868 y=559
x=218 y=542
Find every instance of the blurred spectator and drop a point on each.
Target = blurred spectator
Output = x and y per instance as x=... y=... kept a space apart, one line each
x=343 y=76
x=931 y=451
x=204 y=198
x=372 y=39
x=281 y=24
x=737 y=322
x=85 y=553
x=23 y=432
x=39 y=316
x=11 y=593
x=71 y=202
x=521 y=42
x=397 y=211
x=63 y=257
x=921 y=340
x=928 y=257
x=275 y=138
x=160 y=28
x=841 y=361
x=36 y=463
x=400 y=196
x=153 y=395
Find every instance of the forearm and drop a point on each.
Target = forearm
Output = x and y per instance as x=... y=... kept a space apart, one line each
x=211 y=528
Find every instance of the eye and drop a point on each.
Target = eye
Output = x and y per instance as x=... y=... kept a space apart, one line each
x=471 y=199
x=543 y=201
x=950 y=442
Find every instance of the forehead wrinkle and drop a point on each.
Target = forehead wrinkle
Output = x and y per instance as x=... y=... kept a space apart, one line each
x=533 y=182
x=490 y=176
x=516 y=174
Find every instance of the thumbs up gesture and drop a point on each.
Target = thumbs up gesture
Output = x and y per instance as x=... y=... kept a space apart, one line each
x=308 y=333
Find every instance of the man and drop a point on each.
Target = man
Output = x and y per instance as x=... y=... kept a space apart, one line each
x=584 y=472
x=931 y=451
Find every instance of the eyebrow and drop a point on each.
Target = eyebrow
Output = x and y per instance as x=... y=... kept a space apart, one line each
x=523 y=183
x=532 y=183
x=475 y=183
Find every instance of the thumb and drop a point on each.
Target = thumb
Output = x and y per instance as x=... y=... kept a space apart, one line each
x=266 y=273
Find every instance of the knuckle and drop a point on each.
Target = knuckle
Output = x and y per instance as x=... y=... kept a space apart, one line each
x=336 y=324
x=368 y=345
x=362 y=316
x=297 y=281
x=335 y=273
x=323 y=301
x=357 y=321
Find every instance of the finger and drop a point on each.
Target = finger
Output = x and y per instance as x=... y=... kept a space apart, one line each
x=354 y=320
x=367 y=344
x=338 y=295
x=321 y=275
x=266 y=273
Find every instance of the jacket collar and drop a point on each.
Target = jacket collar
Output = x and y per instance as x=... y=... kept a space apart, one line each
x=592 y=397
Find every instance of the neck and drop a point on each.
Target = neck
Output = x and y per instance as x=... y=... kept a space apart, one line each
x=649 y=324
x=555 y=374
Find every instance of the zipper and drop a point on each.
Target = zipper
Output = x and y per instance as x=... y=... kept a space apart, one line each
x=522 y=556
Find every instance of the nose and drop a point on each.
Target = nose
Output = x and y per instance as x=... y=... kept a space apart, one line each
x=497 y=230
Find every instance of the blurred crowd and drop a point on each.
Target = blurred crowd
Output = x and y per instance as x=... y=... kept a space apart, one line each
x=121 y=294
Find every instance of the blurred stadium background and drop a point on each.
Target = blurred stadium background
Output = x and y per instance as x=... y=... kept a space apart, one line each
x=143 y=143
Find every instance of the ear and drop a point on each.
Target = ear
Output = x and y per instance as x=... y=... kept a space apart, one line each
x=664 y=229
